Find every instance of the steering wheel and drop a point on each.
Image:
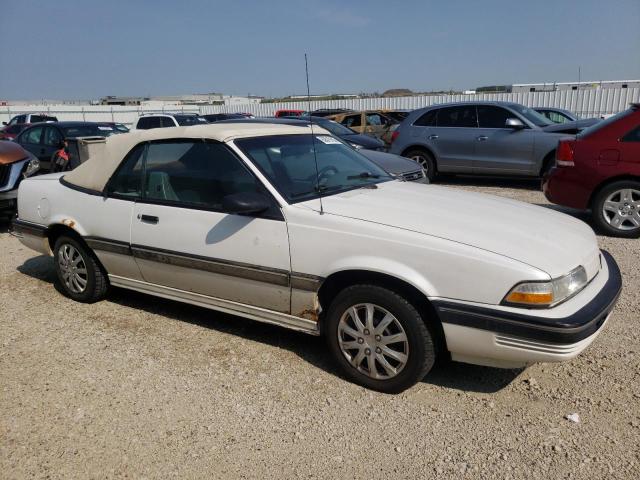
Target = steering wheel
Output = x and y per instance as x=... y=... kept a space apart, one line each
x=327 y=172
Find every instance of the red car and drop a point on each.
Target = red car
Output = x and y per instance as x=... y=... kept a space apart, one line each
x=10 y=132
x=288 y=113
x=600 y=170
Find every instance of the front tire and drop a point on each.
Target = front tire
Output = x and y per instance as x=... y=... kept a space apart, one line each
x=80 y=276
x=616 y=209
x=425 y=160
x=379 y=339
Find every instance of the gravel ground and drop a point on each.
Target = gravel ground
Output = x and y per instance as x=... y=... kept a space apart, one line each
x=141 y=387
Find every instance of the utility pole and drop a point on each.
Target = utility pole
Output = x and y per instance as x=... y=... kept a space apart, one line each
x=579 y=76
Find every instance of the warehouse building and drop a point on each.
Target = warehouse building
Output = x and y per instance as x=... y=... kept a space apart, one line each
x=555 y=86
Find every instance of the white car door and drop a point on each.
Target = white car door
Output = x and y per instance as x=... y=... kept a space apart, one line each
x=182 y=238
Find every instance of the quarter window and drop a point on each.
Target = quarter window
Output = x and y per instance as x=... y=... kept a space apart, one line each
x=458 y=117
x=127 y=181
x=428 y=119
x=32 y=135
x=493 y=117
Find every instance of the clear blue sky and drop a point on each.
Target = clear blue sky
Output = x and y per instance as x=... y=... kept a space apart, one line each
x=87 y=49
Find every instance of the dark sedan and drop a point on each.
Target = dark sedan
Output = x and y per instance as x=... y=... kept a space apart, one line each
x=355 y=139
x=218 y=117
x=44 y=139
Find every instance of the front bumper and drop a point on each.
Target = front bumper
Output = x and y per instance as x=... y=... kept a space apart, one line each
x=507 y=338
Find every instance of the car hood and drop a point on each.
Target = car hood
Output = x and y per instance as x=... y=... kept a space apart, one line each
x=394 y=164
x=570 y=127
x=11 y=152
x=540 y=237
x=365 y=140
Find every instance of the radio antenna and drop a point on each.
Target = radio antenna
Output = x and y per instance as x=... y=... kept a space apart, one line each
x=313 y=137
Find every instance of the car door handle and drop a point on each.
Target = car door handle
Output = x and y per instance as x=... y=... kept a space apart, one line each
x=152 y=219
x=482 y=138
x=432 y=137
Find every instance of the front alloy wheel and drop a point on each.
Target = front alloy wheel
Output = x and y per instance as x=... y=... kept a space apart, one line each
x=373 y=341
x=425 y=160
x=378 y=338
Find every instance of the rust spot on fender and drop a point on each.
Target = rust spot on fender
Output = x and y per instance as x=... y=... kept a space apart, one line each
x=69 y=223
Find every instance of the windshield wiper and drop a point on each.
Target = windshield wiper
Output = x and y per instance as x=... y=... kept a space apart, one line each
x=317 y=189
x=363 y=175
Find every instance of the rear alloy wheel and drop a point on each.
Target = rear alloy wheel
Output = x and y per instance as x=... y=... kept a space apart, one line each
x=79 y=274
x=378 y=338
x=425 y=160
x=616 y=209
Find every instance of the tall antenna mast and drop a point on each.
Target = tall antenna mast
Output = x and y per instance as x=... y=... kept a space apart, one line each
x=313 y=137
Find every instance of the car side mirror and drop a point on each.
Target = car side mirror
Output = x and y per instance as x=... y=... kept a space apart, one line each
x=4 y=123
x=245 y=203
x=514 y=123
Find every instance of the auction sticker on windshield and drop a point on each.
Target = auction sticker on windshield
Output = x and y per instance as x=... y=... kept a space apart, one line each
x=328 y=140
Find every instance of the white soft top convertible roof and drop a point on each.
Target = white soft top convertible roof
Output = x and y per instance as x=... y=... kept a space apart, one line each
x=105 y=157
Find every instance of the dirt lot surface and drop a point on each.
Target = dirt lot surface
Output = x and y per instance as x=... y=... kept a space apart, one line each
x=141 y=387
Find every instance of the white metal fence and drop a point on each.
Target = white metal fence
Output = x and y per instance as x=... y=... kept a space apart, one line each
x=585 y=103
x=91 y=113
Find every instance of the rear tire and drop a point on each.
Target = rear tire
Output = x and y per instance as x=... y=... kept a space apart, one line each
x=80 y=275
x=390 y=349
x=425 y=160
x=616 y=209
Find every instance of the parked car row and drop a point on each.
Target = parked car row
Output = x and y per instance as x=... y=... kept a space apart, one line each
x=477 y=138
x=289 y=225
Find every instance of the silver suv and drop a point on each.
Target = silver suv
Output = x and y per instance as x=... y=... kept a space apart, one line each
x=497 y=138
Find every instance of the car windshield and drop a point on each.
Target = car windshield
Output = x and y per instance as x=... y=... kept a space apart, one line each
x=603 y=123
x=186 y=120
x=88 y=131
x=335 y=128
x=534 y=117
x=288 y=161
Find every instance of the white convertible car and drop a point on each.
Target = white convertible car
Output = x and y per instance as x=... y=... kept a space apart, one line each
x=292 y=227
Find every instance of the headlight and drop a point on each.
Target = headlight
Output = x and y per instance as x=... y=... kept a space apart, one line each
x=547 y=294
x=32 y=167
x=356 y=146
